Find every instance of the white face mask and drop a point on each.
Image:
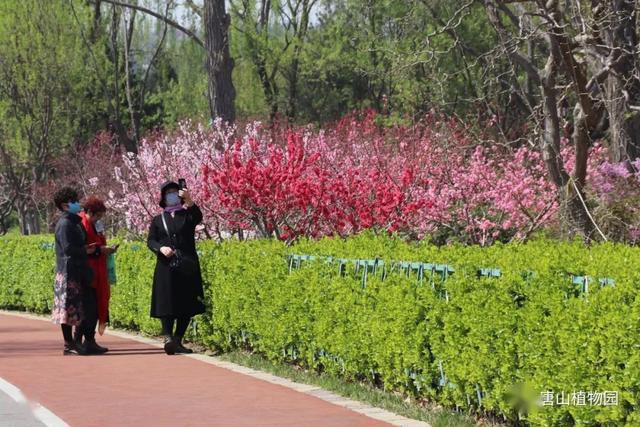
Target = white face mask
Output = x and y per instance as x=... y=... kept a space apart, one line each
x=99 y=226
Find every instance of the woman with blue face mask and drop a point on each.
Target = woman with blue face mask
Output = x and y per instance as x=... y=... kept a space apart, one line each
x=73 y=274
x=177 y=293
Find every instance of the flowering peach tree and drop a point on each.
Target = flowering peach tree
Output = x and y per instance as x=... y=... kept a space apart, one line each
x=428 y=179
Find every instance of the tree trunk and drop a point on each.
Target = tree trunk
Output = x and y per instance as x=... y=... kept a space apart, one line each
x=624 y=125
x=622 y=88
x=95 y=29
x=573 y=198
x=300 y=37
x=116 y=125
x=587 y=115
x=6 y=207
x=573 y=214
x=573 y=209
x=293 y=90
x=268 y=86
x=29 y=220
x=133 y=114
x=221 y=92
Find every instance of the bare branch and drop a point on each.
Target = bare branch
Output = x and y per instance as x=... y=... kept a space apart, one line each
x=509 y=46
x=154 y=57
x=193 y=7
x=150 y=12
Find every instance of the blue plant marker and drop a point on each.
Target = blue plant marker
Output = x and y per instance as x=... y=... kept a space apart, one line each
x=489 y=272
x=607 y=281
x=583 y=282
x=380 y=266
x=443 y=379
x=342 y=269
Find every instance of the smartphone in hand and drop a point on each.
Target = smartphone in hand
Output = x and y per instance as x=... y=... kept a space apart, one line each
x=182 y=183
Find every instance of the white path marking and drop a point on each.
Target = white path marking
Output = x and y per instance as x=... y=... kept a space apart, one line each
x=41 y=413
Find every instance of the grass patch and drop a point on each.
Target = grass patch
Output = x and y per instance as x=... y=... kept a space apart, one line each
x=356 y=391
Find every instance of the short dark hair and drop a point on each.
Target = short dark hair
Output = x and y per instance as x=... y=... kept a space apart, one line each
x=65 y=195
x=94 y=205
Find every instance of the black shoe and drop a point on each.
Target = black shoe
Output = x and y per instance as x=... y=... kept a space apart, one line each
x=182 y=349
x=73 y=349
x=92 y=347
x=70 y=350
x=77 y=339
x=170 y=346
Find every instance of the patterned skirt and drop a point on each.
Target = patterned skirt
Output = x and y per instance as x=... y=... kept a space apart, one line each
x=67 y=301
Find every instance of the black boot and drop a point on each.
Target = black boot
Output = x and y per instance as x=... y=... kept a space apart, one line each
x=92 y=347
x=77 y=337
x=180 y=348
x=170 y=345
x=71 y=348
x=77 y=343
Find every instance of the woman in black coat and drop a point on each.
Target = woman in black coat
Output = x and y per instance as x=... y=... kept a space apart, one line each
x=177 y=293
x=73 y=274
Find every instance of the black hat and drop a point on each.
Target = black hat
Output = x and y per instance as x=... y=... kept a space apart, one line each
x=163 y=189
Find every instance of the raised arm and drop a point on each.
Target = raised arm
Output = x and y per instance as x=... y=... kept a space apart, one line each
x=195 y=214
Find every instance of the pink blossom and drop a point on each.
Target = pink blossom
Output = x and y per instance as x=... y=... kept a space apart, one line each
x=354 y=175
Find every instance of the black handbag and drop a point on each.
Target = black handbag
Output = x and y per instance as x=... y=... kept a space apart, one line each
x=180 y=262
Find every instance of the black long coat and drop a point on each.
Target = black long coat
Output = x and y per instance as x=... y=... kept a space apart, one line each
x=73 y=274
x=173 y=294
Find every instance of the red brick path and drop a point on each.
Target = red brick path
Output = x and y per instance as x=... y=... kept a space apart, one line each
x=138 y=385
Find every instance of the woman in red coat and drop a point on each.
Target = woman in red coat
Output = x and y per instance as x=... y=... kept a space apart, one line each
x=94 y=210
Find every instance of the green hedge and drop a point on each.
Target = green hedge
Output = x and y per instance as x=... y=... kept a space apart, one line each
x=494 y=345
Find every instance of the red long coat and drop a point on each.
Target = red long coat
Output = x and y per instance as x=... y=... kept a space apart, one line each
x=99 y=266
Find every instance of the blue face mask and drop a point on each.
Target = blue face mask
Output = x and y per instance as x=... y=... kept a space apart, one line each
x=172 y=199
x=74 y=208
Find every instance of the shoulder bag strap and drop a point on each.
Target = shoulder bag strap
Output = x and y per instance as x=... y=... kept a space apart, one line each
x=164 y=222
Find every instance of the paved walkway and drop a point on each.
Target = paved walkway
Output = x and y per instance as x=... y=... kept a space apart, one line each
x=136 y=384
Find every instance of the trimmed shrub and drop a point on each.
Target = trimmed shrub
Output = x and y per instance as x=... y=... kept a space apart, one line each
x=487 y=344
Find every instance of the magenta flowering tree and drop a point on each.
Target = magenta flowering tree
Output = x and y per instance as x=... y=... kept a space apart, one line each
x=417 y=181
x=428 y=179
x=265 y=188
